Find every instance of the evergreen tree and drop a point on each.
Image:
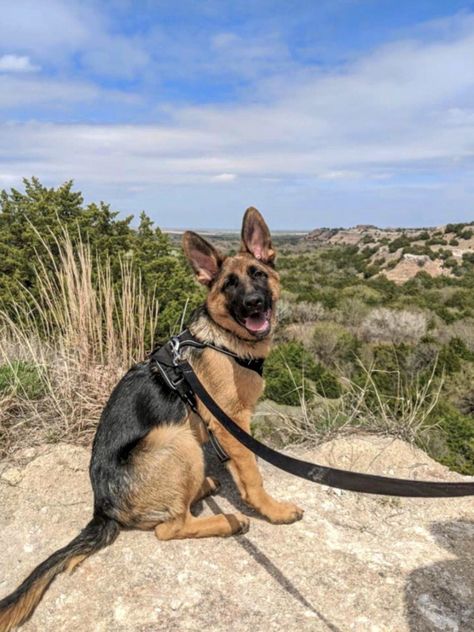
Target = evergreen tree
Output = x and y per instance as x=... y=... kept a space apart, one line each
x=34 y=221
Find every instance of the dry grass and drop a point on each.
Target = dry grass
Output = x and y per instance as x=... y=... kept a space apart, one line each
x=81 y=335
x=363 y=407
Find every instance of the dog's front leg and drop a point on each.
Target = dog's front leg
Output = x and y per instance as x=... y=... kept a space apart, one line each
x=244 y=469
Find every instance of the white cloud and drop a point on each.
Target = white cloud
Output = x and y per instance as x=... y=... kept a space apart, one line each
x=224 y=177
x=43 y=28
x=339 y=175
x=16 y=91
x=62 y=34
x=17 y=63
x=389 y=120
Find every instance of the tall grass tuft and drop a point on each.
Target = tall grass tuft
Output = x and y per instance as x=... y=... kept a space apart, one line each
x=85 y=328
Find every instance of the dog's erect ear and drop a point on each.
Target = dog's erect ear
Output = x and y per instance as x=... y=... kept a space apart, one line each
x=256 y=238
x=203 y=257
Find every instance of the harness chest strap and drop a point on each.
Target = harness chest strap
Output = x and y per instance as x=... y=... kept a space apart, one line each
x=166 y=360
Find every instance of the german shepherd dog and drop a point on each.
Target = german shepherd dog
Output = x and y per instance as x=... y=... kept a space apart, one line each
x=147 y=466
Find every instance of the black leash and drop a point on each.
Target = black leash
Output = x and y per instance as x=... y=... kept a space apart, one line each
x=188 y=385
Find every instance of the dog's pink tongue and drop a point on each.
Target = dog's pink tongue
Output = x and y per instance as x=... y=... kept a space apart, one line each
x=258 y=322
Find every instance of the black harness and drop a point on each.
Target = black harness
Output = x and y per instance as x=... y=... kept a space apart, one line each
x=166 y=359
x=180 y=376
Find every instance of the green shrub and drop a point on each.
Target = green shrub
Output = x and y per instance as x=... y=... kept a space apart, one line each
x=352 y=311
x=448 y=359
x=466 y=234
x=450 y=262
x=459 y=348
x=21 y=377
x=33 y=224
x=452 y=441
x=368 y=295
x=333 y=343
x=436 y=241
x=290 y=369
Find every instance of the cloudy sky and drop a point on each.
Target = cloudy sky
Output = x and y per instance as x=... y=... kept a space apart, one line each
x=326 y=113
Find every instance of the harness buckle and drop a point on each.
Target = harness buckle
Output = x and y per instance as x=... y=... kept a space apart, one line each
x=175 y=348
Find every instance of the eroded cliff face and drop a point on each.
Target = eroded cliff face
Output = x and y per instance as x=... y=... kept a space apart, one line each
x=353 y=563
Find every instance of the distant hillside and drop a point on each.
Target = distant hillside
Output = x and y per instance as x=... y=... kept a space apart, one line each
x=400 y=253
x=397 y=253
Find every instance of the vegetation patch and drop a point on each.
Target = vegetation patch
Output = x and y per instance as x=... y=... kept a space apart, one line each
x=24 y=379
x=85 y=293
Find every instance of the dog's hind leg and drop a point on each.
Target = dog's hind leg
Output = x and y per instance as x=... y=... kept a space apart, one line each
x=191 y=527
x=167 y=476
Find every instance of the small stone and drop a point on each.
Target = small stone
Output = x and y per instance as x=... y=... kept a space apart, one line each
x=13 y=476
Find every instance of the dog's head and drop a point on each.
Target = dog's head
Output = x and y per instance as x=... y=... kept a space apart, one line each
x=244 y=288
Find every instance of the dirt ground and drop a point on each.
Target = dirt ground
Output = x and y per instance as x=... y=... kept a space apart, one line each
x=354 y=563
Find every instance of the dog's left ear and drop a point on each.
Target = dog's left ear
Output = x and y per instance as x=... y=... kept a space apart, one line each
x=256 y=238
x=203 y=257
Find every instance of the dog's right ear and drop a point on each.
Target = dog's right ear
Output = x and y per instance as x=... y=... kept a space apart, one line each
x=203 y=257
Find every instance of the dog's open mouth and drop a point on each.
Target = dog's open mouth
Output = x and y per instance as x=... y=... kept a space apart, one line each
x=258 y=323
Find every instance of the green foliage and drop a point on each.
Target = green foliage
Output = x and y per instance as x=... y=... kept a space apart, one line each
x=449 y=360
x=23 y=378
x=341 y=283
x=341 y=278
x=452 y=443
x=461 y=230
x=399 y=242
x=434 y=241
x=290 y=369
x=450 y=262
x=33 y=221
x=334 y=344
x=418 y=249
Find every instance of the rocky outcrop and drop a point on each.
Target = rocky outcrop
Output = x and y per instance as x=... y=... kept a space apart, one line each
x=354 y=563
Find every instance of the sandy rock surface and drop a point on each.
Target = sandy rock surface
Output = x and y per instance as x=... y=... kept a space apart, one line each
x=354 y=563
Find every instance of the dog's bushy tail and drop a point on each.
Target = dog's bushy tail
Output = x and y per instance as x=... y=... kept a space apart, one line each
x=17 y=607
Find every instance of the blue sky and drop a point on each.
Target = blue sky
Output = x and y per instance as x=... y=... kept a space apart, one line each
x=327 y=113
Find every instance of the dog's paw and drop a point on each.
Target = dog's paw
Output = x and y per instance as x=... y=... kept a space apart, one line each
x=284 y=513
x=244 y=523
x=238 y=522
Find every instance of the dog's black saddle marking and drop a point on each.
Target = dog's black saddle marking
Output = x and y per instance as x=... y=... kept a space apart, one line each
x=167 y=359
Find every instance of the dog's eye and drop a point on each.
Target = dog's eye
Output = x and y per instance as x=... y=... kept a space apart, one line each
x=256 y=273
x=231 y=281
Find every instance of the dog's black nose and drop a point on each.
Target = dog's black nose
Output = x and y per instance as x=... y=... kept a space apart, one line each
x=253 y=302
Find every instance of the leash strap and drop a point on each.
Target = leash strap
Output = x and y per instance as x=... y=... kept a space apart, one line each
x=342 y=479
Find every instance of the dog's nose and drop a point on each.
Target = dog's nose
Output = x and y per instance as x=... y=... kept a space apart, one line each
x=253 y=301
